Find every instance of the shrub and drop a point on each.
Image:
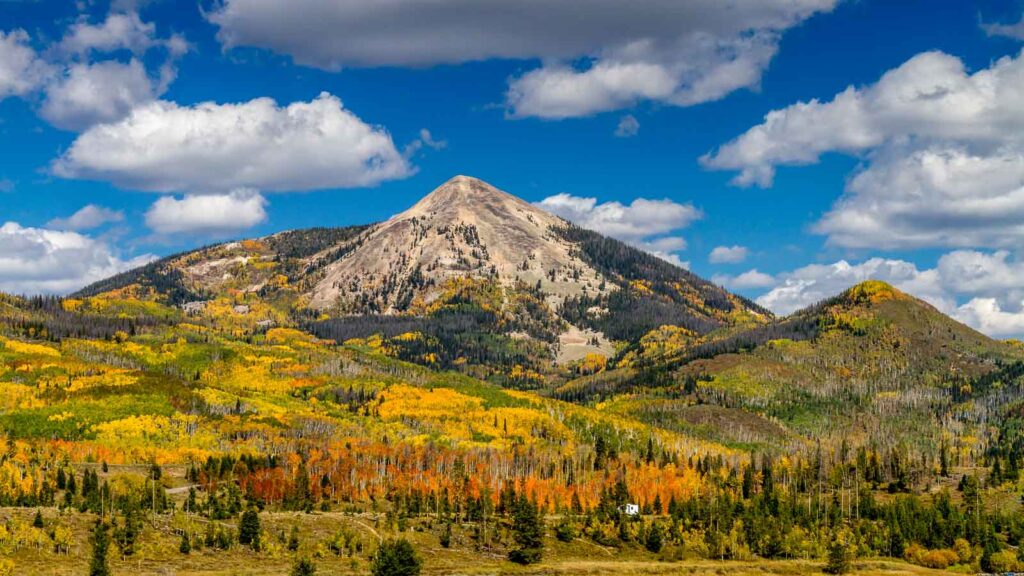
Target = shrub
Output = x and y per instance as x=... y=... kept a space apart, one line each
x=1005 y=561
x=395 y=558
x=565 y=530
x=839 y=554
x=303 y=567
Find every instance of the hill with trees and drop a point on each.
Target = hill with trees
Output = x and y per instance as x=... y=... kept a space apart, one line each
x=399 y=397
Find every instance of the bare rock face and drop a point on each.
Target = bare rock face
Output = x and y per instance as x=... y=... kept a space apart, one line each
x=464 y=228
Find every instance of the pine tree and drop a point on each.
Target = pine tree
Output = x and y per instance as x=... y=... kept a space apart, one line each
x=37 y=522
x=565 y=530
x=186 y=545
x=99 y=566
x=529 y=532
x=838 y=555
x=600 y=453
x=303 y=567
x=395 y=558
x=127 y=533
x=249 y=529
x=990 y=546
x=293 y=539
x=897 y=545
x=654 y=539
x=446 y=536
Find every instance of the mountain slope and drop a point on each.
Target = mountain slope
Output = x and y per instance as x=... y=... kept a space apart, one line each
x=872 y=363
x=532 y=286
x=463 y=229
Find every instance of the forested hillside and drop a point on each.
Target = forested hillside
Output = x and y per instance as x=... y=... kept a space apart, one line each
x=323 y=397
x=869 y=426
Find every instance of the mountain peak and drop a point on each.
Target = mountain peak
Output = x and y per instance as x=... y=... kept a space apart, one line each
x=465 y=228
x=872 y=292
x=465 y=193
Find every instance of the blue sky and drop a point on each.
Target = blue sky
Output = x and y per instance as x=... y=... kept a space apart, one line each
x=154 y=115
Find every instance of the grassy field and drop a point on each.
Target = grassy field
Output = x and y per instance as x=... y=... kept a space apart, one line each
x=157 y=552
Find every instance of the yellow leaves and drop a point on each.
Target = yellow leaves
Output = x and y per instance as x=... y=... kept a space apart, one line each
x=446 y=412
x=188 y=326
x=664 y=342
x=525 y=375
x=873 y=291
x=113 y=378
x=400 y=400
x=28 y=348
x=18 y=397
x=593 y=363
x=65 y=415
x=71 y=304
x=375 y=342
x=289 y=336
x=252 y=245
x=143 y=427
x=485 y=293
x=641 y=286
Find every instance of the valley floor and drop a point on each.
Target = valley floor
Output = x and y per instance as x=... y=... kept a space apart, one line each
x=157 y=553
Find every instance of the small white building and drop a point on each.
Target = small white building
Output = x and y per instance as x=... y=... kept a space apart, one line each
x=630 y=509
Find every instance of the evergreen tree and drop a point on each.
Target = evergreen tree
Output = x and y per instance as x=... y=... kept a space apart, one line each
x=838 y=555
x=654 y=539
x=528 y=527
x=99 y=566
x=395 y=558
x=249 y=529
x=303 y=567
x=990 y=546
x=37 y=522
x=896 y=543
x=185 y=546
x=600 y=453
x=565 y=531
x=293 y=539
x=127 y=533
x=446 y=536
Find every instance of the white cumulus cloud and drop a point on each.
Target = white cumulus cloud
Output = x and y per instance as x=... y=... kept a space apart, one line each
x=88 y=217
x=119 y=30
x=88 y=94
x=645 y=223
x=984 y=290
x=943 y=150
x=21 y=69
x=728 y=254
x=679 y=53
x=81 y=78
x=212 y=215
x=752 y=278
x=988 y=316
x=38 y=260
x=216 y=148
